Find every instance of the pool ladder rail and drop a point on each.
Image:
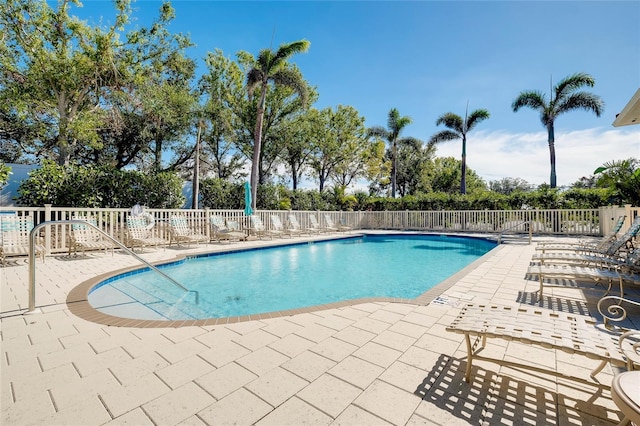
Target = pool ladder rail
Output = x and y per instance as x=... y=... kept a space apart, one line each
x=32 y=258
x=526 y=222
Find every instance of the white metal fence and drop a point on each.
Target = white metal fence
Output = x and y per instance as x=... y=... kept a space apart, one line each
x=593 y=222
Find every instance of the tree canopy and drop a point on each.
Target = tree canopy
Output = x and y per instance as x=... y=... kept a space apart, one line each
x=564 y=97
x=127 y=98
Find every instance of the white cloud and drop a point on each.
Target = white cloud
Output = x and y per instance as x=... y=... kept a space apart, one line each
x=496 y=155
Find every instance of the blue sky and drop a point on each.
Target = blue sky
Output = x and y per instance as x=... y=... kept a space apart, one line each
x=426 y=58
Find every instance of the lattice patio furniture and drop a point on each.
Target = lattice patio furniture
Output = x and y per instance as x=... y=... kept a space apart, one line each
x=570 y=333
x=14 y=237
x=610 y=271
x=279 y=227
x=585 y=246
x=85 y=237
x=139 y=233
x=225 y=230
x=259 y=230
x=316 y=225
x=606 y=247
x=330 y=224
x=615 y=250
x=180 y=232
x=295 y=225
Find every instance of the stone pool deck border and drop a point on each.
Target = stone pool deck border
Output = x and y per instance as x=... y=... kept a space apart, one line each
x=367 y=363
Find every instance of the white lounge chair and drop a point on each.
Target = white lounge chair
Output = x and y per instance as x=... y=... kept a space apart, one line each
x=627 y=270
x=139 y=233
x=14 y=237
x=279 y=227
x=180 y=232
x=585 y=246
x=571 y=333
x=85 y=237
x=295 y=225
x=227 y=231
x=330 y=224
x=596 y=256
x=259 y=230
x=316 y=225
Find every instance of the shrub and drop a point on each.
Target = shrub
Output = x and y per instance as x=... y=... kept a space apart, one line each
x=99 y=186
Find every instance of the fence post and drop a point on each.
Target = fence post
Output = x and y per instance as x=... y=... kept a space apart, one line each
x=206 y=223
x=629 y=219
x=47 y=229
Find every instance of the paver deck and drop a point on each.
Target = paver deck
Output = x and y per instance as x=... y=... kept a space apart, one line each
x=370 y=363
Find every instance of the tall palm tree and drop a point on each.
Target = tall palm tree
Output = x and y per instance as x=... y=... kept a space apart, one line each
x=272 y=67
x=566 y=99
x=395 y=125
x=458 y=129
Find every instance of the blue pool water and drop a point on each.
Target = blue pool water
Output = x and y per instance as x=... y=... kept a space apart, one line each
x=294 y=276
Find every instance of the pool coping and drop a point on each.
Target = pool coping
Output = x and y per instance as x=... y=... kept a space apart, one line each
x=78 y=303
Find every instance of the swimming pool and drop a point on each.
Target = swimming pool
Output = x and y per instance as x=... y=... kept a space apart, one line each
x=286 y=277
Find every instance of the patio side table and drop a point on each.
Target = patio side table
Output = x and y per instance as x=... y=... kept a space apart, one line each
x=625 y=392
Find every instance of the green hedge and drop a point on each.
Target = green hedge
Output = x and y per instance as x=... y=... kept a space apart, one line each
x=79 y=186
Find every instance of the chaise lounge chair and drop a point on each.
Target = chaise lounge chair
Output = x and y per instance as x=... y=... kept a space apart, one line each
x=316 y=225
x=139 y=233
x=279 y=227
x=259 y=230
x=585 y=246
x=85 y=237
x=332 y=225
x=621 y=271
x=570 y=333
x=180 y=232
x=227 y=231
x=14 y=237
x=625 y=241
x=295 y=225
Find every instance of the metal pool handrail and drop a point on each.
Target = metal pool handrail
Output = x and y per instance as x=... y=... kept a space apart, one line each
x=32 y=258
x=529 y=222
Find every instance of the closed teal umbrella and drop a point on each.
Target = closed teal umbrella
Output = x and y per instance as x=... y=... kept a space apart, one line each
x=247 y=199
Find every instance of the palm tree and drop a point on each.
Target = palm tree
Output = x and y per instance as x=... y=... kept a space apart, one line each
x=272 y=67
x=566 y=99
x=395 y=125
x=458 y=129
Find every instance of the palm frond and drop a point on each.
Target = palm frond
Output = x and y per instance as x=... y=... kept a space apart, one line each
x=393 y=117
x=581 y=100
x=265 y=59
x=533 y=99
x=288 y=49
x=573 y=82
x=291 y=78
x=451 y=121
x=476 y=117
x=444 y=136
x=254 y=78
x=402 y=122
x=396 y=123
x=379 y=132
x=410 y=141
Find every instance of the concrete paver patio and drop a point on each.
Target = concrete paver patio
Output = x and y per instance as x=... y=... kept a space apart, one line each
x=365 y=364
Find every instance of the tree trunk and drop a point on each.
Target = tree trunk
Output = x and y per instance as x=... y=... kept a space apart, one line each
x=552 y=155
x=393 y=170
x=157 y=162
x=294 y=176
x=321 y=179
x=463 y=178
x=195 y=191
x=64 y=152
x=257 y=141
